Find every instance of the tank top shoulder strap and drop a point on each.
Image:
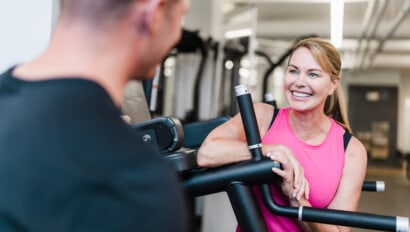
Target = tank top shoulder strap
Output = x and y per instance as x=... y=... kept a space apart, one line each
x=275 y=113
x=346 y=139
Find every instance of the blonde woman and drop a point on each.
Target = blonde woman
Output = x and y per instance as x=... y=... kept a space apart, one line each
x=307 y=137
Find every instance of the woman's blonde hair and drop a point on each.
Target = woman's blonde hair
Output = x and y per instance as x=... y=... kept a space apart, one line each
x=329 y=59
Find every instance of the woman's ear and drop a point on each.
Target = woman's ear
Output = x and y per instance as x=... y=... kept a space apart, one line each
x=335 y=83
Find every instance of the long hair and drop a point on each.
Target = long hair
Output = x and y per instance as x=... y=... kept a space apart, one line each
x=329 y=59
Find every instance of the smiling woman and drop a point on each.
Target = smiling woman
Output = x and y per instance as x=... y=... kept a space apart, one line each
x=324 y=60
x=306 y=138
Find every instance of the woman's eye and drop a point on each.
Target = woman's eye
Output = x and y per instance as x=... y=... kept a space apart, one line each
x=313 y=75
x=292 y=71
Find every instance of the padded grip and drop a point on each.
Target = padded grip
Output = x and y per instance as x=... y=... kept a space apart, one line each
x=196 y=132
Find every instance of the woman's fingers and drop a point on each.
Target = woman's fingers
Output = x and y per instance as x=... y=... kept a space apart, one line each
x=307 y=190
x=303 y=191
x=286 y=173
x=282 y=173
x=297 y=169
x=294 y=182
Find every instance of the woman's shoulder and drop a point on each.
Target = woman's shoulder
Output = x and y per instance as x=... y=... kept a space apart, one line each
x=355 y=150
x=264 y=114
x=263 y=109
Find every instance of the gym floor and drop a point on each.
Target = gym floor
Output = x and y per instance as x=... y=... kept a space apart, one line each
x=394 y=201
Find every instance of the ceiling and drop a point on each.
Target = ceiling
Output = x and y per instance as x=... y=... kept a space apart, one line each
x=376 y=32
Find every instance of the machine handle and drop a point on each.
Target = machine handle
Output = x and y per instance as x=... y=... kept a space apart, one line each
x=249 y=118
x=373 y=186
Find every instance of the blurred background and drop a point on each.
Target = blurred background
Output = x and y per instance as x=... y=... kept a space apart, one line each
x=227 y=42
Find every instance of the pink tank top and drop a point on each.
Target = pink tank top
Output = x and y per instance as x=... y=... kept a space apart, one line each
x=322 y=165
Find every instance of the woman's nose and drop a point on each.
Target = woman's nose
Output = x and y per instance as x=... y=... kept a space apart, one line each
x=301 y=79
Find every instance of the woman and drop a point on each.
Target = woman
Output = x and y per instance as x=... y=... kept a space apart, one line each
x=307 y=137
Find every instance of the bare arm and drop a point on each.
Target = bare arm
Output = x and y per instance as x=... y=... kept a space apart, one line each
x=227 y=143
x=350 y=187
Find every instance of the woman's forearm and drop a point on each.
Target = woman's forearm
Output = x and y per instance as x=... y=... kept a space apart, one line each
x=222 y=151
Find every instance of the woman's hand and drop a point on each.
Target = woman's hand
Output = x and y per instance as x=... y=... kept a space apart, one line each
x=294 y=184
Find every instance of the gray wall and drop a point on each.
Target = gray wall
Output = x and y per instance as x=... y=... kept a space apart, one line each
x=25 y=30
x=387 y=77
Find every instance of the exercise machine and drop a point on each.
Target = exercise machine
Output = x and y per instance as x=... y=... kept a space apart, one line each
x=336 y=217
x=237 y=181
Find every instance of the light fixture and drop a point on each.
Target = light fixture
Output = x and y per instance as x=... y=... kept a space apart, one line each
x=336 y=22
x=238 y=33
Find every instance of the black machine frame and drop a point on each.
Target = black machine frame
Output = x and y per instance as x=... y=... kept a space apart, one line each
x=239 y=179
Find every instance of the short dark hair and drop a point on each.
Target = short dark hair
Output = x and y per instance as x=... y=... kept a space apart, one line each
x=96 y=12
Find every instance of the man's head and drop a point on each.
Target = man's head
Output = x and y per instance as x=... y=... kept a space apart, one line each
x=161 y=30
x=147 y=29
x=97 y=14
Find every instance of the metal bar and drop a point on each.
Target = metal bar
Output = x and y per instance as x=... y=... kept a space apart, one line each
x=207 y=181
x=245 y=207
x=373 y=186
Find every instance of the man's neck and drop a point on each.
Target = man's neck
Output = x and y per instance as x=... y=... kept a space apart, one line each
x=70 y=55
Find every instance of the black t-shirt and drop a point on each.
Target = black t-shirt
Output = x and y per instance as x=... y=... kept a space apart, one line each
x=68 y=162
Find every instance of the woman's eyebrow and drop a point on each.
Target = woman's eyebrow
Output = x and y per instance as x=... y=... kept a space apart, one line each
x=309 y=70
x=293 y=66
x=315 y=70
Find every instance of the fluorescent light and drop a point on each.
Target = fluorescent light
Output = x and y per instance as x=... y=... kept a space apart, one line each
x=238 y=33
x=336 y=22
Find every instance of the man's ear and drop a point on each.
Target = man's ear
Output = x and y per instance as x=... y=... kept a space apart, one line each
x=149 y=16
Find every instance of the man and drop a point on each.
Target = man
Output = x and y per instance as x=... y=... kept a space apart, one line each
x=68 y=162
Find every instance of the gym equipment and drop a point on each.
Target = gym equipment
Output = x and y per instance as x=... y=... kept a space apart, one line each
x=168 y=132
x=190 y=43
x=176 y=141
x=197 y=131
x=236 y=179
x=374 y=186
x=336 y=217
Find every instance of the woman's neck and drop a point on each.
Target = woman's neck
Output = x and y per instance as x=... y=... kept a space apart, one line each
x=311 y=127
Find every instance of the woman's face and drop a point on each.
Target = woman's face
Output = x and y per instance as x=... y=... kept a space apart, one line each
x=307 y=85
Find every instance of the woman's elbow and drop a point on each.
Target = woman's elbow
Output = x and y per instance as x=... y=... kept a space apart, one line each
x=204 y=158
